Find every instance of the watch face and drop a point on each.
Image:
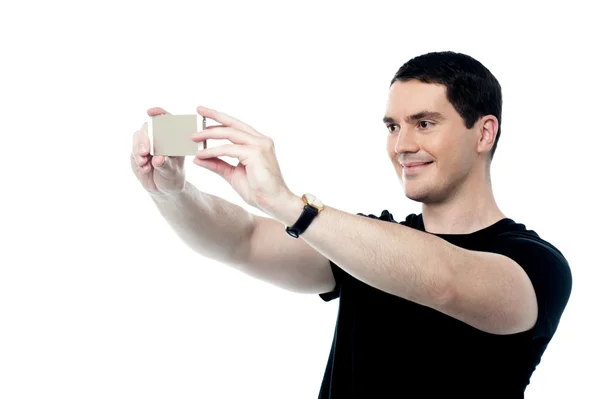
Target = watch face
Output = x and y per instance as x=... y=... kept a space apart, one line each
x=314 y=200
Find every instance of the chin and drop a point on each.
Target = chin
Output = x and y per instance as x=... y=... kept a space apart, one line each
x=423 y=188
x=419 y=192
x=417 y=196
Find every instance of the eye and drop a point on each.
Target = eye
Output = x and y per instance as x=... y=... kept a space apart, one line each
x=390 y=127
x=425 y=124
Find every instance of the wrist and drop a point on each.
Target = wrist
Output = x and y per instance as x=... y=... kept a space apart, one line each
x=289 y=209
x=161 y=196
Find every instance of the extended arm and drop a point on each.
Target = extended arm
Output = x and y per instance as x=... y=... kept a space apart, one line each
x=486 y=290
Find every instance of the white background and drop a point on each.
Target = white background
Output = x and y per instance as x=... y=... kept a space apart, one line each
x=98 y=298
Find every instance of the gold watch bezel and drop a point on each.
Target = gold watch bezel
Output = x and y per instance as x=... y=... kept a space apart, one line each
x=309 y=202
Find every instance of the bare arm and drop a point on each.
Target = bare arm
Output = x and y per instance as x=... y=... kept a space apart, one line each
x=273 y=256
x=488 y=291
x=211 y=226
x=255 y=245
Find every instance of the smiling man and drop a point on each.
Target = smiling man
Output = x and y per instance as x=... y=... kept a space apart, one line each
x=465 y=303
x=457 y=301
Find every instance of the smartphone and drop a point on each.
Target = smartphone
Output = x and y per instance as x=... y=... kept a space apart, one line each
x=171 y=135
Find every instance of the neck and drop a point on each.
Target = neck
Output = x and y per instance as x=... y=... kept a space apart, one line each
x=470 y=208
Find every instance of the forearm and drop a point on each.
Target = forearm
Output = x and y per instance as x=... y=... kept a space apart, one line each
x=209 y=225
x=393 y=258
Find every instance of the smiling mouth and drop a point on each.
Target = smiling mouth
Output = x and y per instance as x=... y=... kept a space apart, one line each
x=418 y=165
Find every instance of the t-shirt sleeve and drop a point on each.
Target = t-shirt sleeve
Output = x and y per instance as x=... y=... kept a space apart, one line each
x=335 y=292
x=549 y=273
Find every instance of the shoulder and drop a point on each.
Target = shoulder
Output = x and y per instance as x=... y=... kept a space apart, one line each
x=547 y=268
x=385 y=215
x=518 y=241
x=411 y=220
x=530 y=250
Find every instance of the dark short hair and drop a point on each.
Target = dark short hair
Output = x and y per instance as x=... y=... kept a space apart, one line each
x=470 y=87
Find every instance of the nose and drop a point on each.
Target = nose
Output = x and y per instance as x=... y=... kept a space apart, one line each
x=406 y=142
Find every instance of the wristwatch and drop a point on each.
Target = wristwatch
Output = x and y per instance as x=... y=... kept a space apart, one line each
x=310 y=211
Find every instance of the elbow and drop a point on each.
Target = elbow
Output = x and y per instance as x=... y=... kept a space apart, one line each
x=442 y=293
x=445 y=297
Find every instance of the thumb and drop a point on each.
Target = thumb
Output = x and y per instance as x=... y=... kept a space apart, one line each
x=165 y=165
x=218 y=166
x=160 y=161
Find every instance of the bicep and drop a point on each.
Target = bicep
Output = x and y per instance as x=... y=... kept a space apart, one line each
x=519 y=285
x=271 y=255
x=491 y=292
x=549 y=273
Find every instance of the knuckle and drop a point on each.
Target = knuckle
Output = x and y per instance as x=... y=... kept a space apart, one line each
x=268 y=143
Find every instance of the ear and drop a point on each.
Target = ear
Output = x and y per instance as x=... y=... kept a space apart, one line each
x=488 y=128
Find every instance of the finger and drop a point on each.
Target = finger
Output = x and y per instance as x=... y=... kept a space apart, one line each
x=138 y=153
x=228 y=133
x=145 y=168
x=168 y=166
x=217 y=166
x=141 y=141
x=226 y=120
x=140 y=160
x=164 y=166
x=158 y=161
x=226 y=150
x=135 y=155
x=156 y=111
x=162 y=161
x=166 y=162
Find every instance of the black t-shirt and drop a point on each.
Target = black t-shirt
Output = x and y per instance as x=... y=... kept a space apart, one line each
x=388 y=347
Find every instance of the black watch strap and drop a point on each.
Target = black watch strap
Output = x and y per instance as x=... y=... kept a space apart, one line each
x=307 y=216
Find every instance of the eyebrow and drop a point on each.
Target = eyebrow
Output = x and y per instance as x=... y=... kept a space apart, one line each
x=417 y=116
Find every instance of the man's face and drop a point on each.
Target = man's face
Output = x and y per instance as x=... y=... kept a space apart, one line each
x=424 y=127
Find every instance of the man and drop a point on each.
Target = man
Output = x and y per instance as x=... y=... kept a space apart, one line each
x=458 y=301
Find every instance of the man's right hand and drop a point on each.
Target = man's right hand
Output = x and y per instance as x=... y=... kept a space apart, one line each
x=158 y=174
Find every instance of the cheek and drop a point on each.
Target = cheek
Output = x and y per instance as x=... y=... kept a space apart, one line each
x=455 y=165
x=451 y=148
x=390 y=148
